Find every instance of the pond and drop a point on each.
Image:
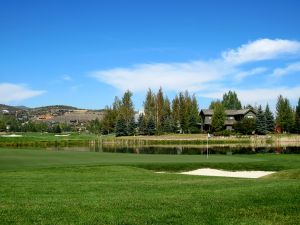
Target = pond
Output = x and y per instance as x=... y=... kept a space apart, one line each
x=177 y=149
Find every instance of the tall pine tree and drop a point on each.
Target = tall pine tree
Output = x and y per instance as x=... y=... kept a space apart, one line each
x=270 y=123
x=260 y=121
x=121 y=129
x=149 y=105
x=176 y=113
x=231 y=101
x=194 y=117
x=297 y=118
x=142 y=125
x=159 y=108
x=150 y=126
x=284 y=114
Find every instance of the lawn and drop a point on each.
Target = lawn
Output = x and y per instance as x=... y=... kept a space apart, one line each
x=48 y=187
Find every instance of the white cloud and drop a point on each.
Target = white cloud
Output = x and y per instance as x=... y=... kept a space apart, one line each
x=15 y=92
x=262 y=49
x=173 y=77
x=291 y=68
x=258 y=95
x=66 y=78
x=214 y=77
x=241 y=75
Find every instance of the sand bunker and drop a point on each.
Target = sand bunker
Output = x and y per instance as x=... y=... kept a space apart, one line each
x=11 y=135
x=223 y=173
x=62 y=135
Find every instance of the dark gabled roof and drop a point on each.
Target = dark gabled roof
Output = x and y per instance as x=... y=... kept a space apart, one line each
x=210 y=112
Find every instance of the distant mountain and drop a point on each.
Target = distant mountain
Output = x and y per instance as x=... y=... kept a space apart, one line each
x=55 y=107
x=8 y=107
x=42 y=109
x=22 y=107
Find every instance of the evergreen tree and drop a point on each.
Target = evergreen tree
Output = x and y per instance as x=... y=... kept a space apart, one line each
x=151 y=126
x=231 y=101
x=194 y=117
x=176 y=113
x=149 y=105
x=249 y=107
x=142 y=125
x=297 y=118
x=260 y=121
x=270 y=123
x=284 y=114
x=183 y=109
x=167 y=107
x=126 y=112
x=212 y=104
x=159 y=108
x=245 y=126
x=168 y=125
x=121 y=129
x=131 y=127
x=218 y=118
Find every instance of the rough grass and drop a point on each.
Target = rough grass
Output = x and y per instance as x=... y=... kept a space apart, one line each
x=46 y=187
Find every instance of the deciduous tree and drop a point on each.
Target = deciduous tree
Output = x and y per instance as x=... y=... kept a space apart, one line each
x=218 y=118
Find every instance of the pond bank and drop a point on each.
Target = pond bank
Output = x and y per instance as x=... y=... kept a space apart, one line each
x=197 y=140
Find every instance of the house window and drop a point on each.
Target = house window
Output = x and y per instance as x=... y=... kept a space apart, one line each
x=250 y=117
x=209 y=117
x=231 y=117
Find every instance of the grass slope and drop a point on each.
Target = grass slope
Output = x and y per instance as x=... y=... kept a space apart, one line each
x=44 y=187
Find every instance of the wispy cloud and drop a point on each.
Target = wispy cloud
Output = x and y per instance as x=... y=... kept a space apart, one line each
x=262 y=49
x=213 y=77
x=10 y=93
x=172 y=76
x=66 y=77
x=291 y=68
x=241 y=75
x=258 y=95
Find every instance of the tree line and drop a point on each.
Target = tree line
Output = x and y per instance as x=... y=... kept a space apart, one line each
x=160 y=115
x=181 y=115
x=287 y=119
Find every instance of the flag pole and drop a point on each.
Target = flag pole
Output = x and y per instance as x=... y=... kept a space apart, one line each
x=207 y=146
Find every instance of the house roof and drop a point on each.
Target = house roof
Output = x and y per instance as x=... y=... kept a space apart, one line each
x=210 y=112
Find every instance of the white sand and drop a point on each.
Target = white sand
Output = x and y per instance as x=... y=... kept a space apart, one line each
x=11 y=135
x=223 y=173
x=62 y=135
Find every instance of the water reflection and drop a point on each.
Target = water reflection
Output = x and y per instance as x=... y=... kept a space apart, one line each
x=177 y=150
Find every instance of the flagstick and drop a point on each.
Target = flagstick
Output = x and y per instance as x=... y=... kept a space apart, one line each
x=207 y=147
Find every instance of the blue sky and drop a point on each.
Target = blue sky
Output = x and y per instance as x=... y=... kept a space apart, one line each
x=83 y=53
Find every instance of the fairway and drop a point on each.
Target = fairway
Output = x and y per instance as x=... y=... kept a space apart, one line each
x=59 y=187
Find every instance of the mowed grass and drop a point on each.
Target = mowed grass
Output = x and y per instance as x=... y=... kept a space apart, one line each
x=47 y=187
x=36 y=136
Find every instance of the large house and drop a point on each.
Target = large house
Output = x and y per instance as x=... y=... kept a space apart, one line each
x=232 y=117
